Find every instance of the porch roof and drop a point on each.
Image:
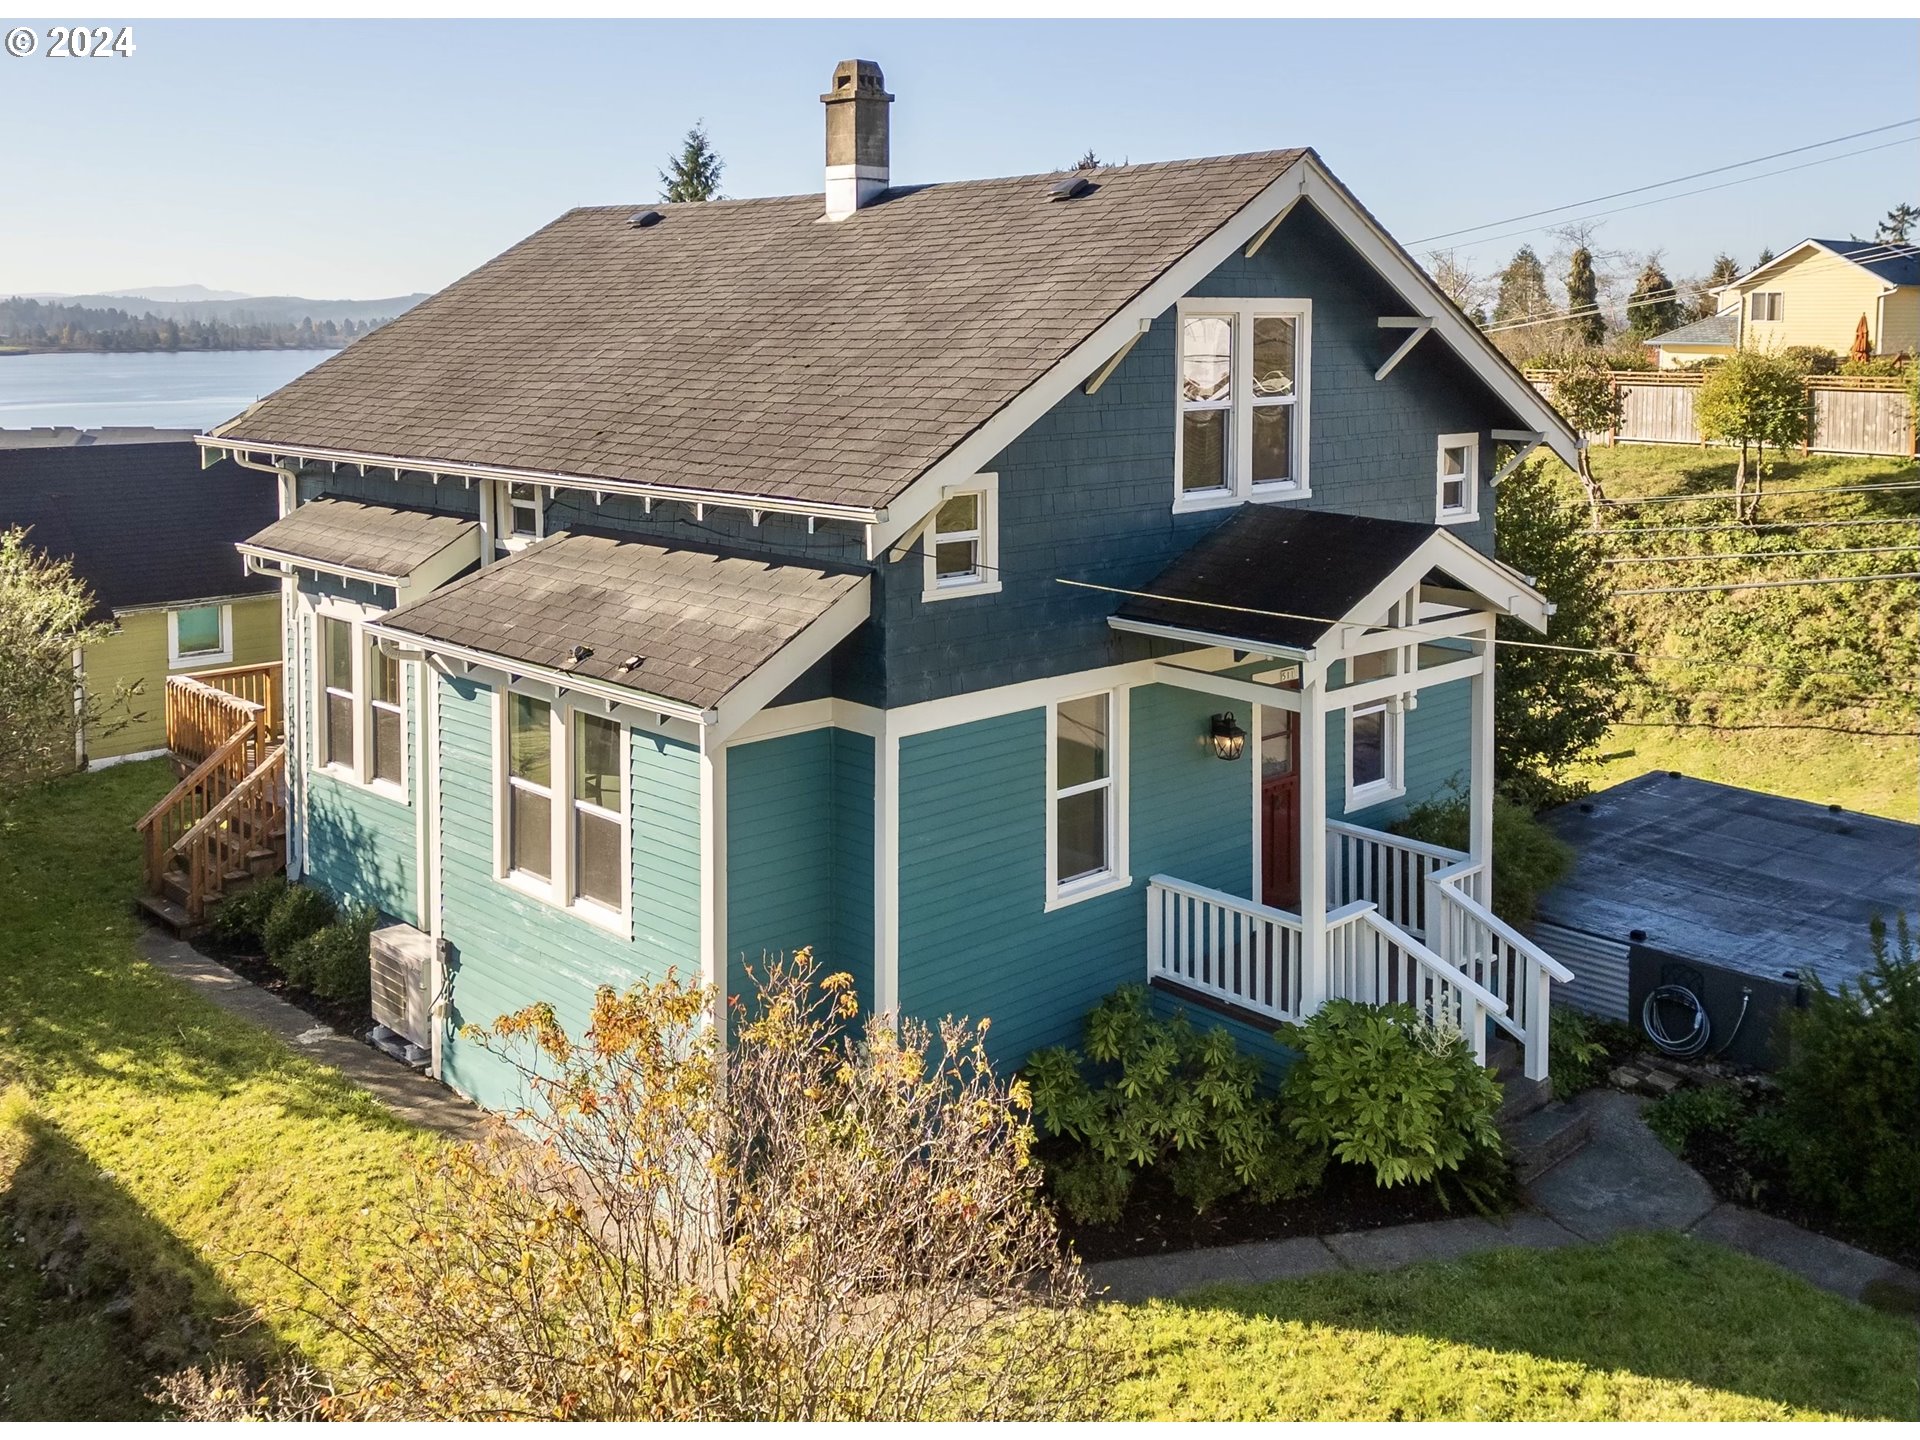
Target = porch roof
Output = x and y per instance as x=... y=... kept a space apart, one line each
x=382 y=543
x=1280 y=579
x=691 y=626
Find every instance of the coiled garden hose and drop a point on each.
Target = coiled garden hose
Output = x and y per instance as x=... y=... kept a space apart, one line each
x=1695 y=1040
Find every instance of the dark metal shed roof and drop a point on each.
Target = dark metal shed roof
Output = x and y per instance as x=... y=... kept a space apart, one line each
x=1751 y=882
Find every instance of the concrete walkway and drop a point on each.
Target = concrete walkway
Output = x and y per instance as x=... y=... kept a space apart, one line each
x=1624 y=1180
x=409 y=1095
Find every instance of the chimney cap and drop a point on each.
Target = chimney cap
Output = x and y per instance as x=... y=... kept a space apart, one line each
x=857 y=80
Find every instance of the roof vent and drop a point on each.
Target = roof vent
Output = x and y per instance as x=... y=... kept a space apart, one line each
x=575 y=656
x=645 y=218
x=1071 y=188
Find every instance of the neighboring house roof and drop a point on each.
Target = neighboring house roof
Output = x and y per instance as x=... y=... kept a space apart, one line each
x=1275 y=576
x=378 y=542
x=1756 y=883
x=1894 y=264
x=749 y=349
x=682 y=624
x=39 y=436
x=1721 y=329
x=143 y=524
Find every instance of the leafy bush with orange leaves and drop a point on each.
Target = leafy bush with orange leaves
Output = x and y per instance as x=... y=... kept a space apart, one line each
x=819 y=1221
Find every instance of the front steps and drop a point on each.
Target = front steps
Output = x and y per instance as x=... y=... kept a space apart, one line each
x=1540 y=1131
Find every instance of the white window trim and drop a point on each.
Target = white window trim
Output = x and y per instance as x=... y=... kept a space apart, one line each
x=1393 y=744
x=987 y=553
x=360 y=772
x=557 y=890
x=503 y=514
x=177 y=660
x=1777 y=306
x=402 y=677
x=1471 y=509
x=1240 y=489
x=1118 y=874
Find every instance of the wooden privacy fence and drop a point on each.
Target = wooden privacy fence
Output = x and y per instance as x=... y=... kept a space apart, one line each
x=1847 y=414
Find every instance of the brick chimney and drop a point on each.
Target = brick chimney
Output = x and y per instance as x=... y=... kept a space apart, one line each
x=856 y=136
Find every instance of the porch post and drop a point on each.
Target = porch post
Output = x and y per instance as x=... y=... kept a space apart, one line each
x=1480 y=771
x=1313 y=837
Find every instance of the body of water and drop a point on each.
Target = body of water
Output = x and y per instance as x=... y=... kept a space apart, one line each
x=179 y=391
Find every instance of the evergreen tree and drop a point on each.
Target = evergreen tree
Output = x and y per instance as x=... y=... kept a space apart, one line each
x=1898 y=225
x=1523 y=290
x=1725 y=270
x=1765 y=257
x=1583 y=299
x=1654 y=307
x=693 y=174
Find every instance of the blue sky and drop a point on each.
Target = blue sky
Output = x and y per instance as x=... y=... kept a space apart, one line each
x=362 y=159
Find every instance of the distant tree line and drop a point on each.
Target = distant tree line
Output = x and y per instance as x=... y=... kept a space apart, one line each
x=51 y=325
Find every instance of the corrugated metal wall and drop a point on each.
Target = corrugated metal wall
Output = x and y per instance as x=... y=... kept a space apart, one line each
x=1599 y=968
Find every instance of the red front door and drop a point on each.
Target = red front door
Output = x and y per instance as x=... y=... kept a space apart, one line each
x=1279 y=808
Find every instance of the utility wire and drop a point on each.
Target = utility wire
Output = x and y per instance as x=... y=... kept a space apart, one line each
x=1677 y=180
x=1759 y=527
x=1756 y=555
x=1775 y=585
x=1766 y=494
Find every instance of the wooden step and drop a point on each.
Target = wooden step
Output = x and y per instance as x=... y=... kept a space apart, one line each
x=166 y=913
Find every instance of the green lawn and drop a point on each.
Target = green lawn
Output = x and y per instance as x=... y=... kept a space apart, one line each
x=172 y=1152
x=1653 y=1327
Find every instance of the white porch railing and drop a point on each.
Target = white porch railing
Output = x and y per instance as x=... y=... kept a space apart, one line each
x=1369 y=958
x=1235 y=950
x=1484 y=946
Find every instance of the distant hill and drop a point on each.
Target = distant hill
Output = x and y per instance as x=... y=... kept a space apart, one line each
x=250 y=309
x=169 y=292
x=118 y=325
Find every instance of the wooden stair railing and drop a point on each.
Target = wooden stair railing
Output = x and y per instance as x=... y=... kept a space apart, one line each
x=249 y=825
x=201 y=718
x=259 y=684
x=198 y=792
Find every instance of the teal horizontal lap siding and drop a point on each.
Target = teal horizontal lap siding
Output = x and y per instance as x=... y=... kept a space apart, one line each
x=1257 y=1039
x=975 y=936
x=800 y=854
x=507 y=950
x=362 y=847
x=1439 y=754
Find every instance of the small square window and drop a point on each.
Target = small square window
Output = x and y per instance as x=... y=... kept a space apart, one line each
x=198 y=629
x=1457 y=478
x=962 y=542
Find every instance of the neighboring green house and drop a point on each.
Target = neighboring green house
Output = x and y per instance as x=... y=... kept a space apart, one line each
x=152 y=534
x=1013 y=589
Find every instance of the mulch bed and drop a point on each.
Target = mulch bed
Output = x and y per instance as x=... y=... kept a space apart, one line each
x=1158 y=1222
x=351 y=1018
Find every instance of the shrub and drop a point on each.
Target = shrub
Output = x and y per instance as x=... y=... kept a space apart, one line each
x=241 y=920
x=295 y=913
x=1380 y=1087
x=1813 y=359
x=1875 y=365
x=1684 y=1115
x=333 y=960
x=1850 y=1094
x=1576 y=1055
x=846 y=1229
x=1528 y=858
x=1168 y=1098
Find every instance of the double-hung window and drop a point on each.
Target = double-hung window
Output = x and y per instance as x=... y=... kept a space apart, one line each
x=1457 y=479
x=1374 y=760
x=1086 y=820
x=1766 y=305
x=598 y=793
x=200 y=635
x=337 y=693
x=522 y=514
x=384 y=722
x=963 y=541
x=1242 y=432
x=529 y=787
x=562 y=806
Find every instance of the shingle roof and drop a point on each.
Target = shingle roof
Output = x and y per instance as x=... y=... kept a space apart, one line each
x=143 y=523
x=1895 y=264
x=750 y=348
x=1721 y=329
x=700 y=620
x=377 y=539
x=1296 y=562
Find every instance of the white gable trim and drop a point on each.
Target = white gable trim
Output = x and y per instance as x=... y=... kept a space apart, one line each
x=1502 y=587
x=1741 y=282
x=1306 y=179
x=813 y=644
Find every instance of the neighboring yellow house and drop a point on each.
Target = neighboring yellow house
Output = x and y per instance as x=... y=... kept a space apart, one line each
x=1818 y=292
x=152 y=534
x=1713 y=338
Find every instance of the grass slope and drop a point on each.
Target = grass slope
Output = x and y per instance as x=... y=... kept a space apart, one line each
x=1653 y=1327
x=168 y=1153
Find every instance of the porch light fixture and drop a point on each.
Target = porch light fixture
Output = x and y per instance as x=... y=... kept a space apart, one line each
x=1229 y=740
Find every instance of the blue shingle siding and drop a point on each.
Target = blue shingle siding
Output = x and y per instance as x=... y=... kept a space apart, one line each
x=416 y=492
x=1439 y=739
x=507 y=950
x=1086 y=493
x=800 y=853
x=975 y=936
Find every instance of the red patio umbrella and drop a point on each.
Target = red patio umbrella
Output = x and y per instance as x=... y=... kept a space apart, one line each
x=1862 y=345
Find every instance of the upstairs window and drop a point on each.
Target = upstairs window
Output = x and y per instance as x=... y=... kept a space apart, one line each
x=1766 y=305
x=1242 y=432
x=962 y=544
x=523 y=514
x=1457 y=479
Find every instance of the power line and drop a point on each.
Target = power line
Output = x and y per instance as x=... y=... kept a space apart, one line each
x=1754 y=529
x=1640 y=723
x=1756 y=555
x=1774 y=585
x=1766 y=494
x=1676 y=180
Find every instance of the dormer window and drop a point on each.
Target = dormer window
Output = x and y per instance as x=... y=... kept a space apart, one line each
x=1242 y=432
x=524 y=520
x=963 y=541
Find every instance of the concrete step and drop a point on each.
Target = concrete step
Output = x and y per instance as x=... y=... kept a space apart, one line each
x=1521 y=1097
x=1539 y=1141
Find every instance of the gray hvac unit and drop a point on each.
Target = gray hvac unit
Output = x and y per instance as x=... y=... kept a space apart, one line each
x=402 y=959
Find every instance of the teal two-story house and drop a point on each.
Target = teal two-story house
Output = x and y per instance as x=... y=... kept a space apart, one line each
x=1011 y=589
